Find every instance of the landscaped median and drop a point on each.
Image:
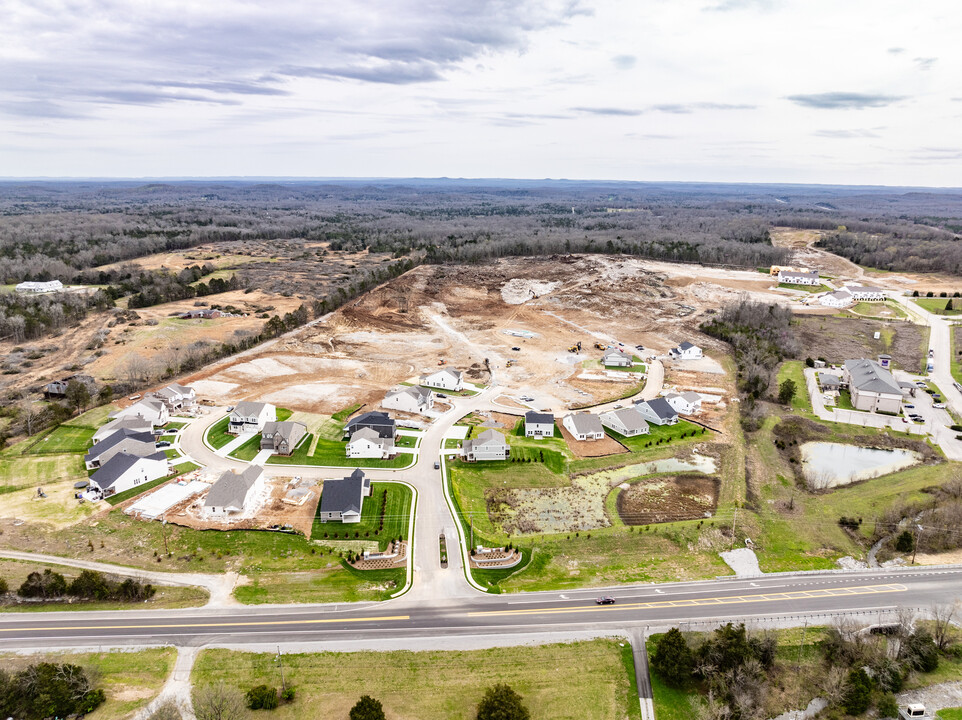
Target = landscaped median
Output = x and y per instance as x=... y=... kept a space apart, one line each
x=596 y=677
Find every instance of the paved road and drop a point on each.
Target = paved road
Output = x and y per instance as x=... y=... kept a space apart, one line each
x=789 y=598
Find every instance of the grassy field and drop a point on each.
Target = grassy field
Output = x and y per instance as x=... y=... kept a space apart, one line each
x=333 y=453
x=950 y=714
x=64 y=439
x=248 y=451
x=93 y=418
x=16 y=571
x=337 y=583
x=120 y=497
x=576 y=681
x=396 y=516
x=217 y=436
x=129 y=679
x=21 y=472
x=937 y=305
x=884 y=310
x=804 y=288
x=793 y=370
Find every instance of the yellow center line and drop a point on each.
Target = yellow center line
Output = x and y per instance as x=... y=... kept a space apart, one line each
x=693 y=602
x=249 y=623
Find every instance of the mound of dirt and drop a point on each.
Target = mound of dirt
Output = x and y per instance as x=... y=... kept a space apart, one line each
x=519 y=290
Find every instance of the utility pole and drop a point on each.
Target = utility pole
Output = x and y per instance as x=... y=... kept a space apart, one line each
x=918 y=539
x=280 y=664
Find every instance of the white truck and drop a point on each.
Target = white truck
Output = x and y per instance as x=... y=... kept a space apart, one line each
x=915 y=711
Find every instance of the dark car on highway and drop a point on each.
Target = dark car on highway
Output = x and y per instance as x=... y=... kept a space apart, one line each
x=605 y=600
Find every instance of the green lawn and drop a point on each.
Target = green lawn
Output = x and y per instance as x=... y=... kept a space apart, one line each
x=283 y=414
x=333 y=453
x=804 y=288
x=884 y=310
x=217 y=436
x=118 y=498
x=344 y=413
x=591 y=680
x=129 y=679
x=406 y=441
x=950 y=714
x=937 y=305
x=63 y=439
x=337 y=583
x=396 y=515
x=844 y=400
x=657 y=435
x=93 y=418
x=794 y=370
x=248 y=451
x=173 y=425
x=18 y=472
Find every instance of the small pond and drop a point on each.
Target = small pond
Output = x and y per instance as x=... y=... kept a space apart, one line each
x=827 y=464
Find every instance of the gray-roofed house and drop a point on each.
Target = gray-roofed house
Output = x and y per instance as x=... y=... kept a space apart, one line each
x=446 y=379
x=366 y=443
x=380 y=422
x=872 y=387
x=250 y=417
x=626 y=421
x=837 y=299
x=125 y=471
x=538 y=425
x=488 y=445
x=409 y=399
x=827 y=381
x=177 y=397
x=134 y=423
x=233 y=491
x=343 y=500
x=615 y=358
x=282 y=437
x=140 y=444
x=866 y=293
x=686 y=351
x=792 y=277
x=657 y=411
x=584 y=426
x=686 y=403
x=150 y=409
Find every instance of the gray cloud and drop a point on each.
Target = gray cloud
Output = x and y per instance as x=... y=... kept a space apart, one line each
x=896 y=50
x=624 y=112
x=624 y=62
x=844 y=100
x=731 y=5
x=846 y=134
x=924 y=63
x=687 y=108
x=90 y=52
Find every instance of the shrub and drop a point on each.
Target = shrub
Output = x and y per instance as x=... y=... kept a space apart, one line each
x=367 y=708
x=288 y=694
x=501 y=703
x=261 y=697
x=858 y=692
x=810 y=362
x=44 y=585
x=888 y=707
x=905 y=542
x=4 y=588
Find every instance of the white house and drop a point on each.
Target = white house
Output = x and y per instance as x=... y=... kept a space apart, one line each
x=125 y=471
x=627 y=421
x=446 y=379
x=366 y=443
x=233 y=491
x=140 y=444
x=686 y=351
x=150 y=409
x=866 y=293
x=584 y=426
x=177 y=397
x=39 y=287
x=838 y=299
x=488 y=445
x=343 y=500
x=615 y=358
x=657 y=411
x=409 y=399
x=134 y=423
x=686 y=403
x=791 y=277
x=250 y=416
x=539 y=425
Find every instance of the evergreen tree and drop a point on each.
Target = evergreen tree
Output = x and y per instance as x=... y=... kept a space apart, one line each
x=502 y=703
x=672 y=659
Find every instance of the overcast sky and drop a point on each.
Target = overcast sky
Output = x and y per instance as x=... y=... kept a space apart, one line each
x=860 y=91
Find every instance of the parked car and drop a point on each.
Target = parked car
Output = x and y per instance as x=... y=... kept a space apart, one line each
x=605 y=600
x=908 y=406
x=516 y=348
x=639 y=347
x=437 y=466
x=163 y=444
x=171 y=431
x=939 y=406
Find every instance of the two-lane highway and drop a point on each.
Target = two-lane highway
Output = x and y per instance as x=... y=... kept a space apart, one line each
x=648 y=605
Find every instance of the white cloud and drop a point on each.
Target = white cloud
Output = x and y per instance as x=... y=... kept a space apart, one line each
x=511 y=88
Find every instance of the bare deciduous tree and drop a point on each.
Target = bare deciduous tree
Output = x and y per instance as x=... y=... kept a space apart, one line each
x=167 y=710
x=219 y=702
x=942 y=615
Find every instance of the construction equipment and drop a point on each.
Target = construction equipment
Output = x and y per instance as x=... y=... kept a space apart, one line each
x=601 y=346
x=510 y=363
x=574 y=349
x=442 y=361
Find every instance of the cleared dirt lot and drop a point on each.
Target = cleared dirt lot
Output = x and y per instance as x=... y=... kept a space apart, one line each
x=840 y=339
x=668 y=498
x=465 y=314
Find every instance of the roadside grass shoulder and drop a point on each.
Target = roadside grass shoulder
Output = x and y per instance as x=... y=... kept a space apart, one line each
x=553 y=680
x=337 y=583
x=217 y=436
x=130 y=679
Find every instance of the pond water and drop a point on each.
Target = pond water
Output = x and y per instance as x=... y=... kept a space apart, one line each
x=827 y=464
